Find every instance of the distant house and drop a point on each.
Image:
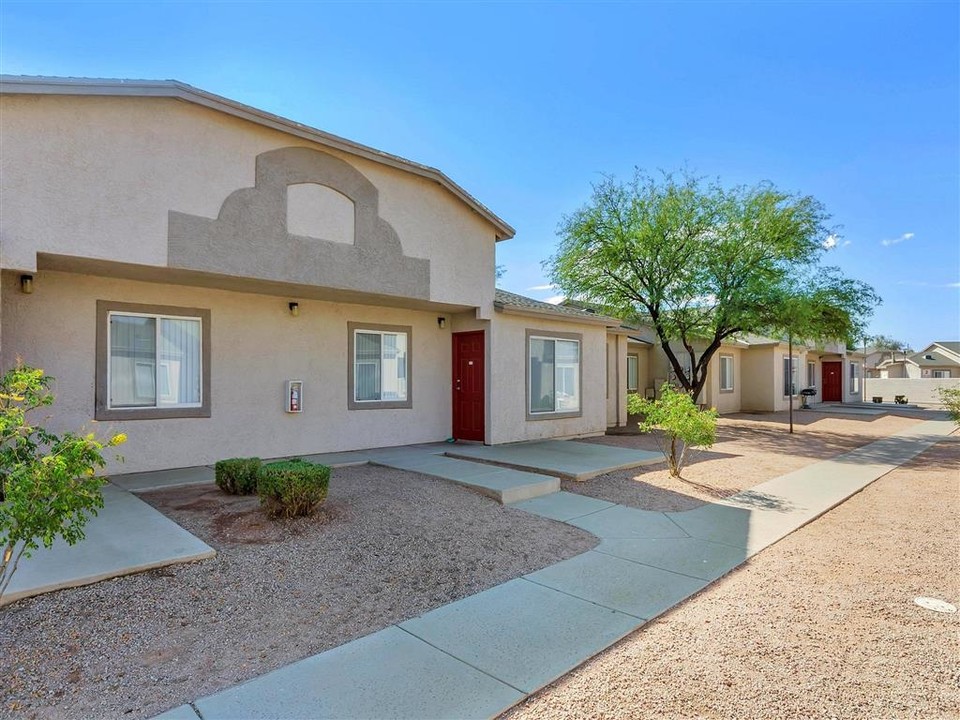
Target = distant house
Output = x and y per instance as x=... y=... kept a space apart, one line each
x=939 y=360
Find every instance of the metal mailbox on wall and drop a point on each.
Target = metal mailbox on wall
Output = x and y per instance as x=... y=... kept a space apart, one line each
x=294 y=397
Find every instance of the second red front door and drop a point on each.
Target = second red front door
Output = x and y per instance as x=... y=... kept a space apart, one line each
x=832 y=381
x=468 y=386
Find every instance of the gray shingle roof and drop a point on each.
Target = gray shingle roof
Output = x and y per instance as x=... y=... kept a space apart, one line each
x=502 y=298
x=935 y=359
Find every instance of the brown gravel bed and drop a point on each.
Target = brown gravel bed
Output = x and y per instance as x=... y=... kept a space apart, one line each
x=390 y=546
x=750 y=449
x=820 y=625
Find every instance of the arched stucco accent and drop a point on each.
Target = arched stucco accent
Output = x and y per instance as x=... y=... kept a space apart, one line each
x=249 y=238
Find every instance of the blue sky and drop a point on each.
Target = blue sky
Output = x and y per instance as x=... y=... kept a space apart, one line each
x=526 y=105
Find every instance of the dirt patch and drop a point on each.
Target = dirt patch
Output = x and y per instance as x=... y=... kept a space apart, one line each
x=820 y=625
x=750 y=449
x=390 y=546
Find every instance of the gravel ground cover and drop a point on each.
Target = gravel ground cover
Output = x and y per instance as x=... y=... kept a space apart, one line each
x=389 y=546
x=750 y=449
x=820 y=625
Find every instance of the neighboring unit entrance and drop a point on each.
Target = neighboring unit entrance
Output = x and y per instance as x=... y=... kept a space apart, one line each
x=832 y=381
x=468 y=390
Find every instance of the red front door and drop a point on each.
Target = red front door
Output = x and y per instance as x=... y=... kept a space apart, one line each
x=832 y=381
x=468 y=378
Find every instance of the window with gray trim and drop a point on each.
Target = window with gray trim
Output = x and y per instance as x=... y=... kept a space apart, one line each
x=379 y=375
x=553 y=375
x=152 y=362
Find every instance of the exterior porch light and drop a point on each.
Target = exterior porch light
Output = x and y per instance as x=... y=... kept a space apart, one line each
x=294 y=308
x=26 y=284
x=441 y=322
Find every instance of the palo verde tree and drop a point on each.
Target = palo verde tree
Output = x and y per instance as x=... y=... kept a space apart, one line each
x=701 y=263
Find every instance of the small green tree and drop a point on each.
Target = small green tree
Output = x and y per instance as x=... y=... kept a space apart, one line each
x=950 y=397
x=47 y=484
x=682 y=424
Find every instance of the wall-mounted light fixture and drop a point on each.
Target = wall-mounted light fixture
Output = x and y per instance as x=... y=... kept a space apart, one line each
x=26 y=284
x=294 y=308
x=441 y=322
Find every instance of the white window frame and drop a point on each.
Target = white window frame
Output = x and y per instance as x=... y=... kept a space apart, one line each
x=355 y=328
x=854 y=375
x=795 y=376
x=727 y=360
x=941 y=374
x=636 y=362
x=811 y=374
x=158 y=366
x=554 y=338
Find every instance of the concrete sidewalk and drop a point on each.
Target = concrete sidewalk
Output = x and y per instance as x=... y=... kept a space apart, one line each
x=478 y=656
x=126 y=536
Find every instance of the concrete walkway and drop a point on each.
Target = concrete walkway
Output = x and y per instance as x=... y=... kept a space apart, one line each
x=476 y=657
x=126 y=536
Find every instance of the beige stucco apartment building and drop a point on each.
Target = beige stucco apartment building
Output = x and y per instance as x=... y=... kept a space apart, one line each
x=216 y=281
x=753 y=374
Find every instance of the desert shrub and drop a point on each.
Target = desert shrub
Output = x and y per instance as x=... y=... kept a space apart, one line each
x=290 y=488
x=237 y=476
x=47 y=484
x=682 y=423
x=950 y=397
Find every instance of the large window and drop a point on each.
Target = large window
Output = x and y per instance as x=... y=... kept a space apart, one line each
x=791 y=373
x=726 y=373
x=553 y=375
x=941 y=373
x=633 y=373
x=854 y=378
x=152 y=362
x=379 y=374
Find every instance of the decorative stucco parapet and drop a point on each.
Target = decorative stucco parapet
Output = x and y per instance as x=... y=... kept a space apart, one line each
x=249 y=238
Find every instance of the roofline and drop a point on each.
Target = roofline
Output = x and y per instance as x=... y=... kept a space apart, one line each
x=944 y=349
x=585 y=319
x=40 y=85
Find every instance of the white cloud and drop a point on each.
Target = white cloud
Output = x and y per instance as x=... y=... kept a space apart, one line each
x=846 y=242
x=549 y=286
x=897 y=240
x=830 y=242
x=924 y=283
x=555 y=300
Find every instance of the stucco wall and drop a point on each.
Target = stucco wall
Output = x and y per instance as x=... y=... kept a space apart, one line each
x=256 y=345
x=96 y=177
x=616 y=386
x=917 y=390
x=508 y=396
x=725 y=402
x=757 y=369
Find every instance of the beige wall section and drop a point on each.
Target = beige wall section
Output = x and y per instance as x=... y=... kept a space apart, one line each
x=508 y=397
x=256 y=346
x=758 y=373
x=917 y=390
x=78 y=181
x=725 y=402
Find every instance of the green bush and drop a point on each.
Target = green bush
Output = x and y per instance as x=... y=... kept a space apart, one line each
x=290 y=488
x=683 y=424
x=950 y=397
x=237 y=476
